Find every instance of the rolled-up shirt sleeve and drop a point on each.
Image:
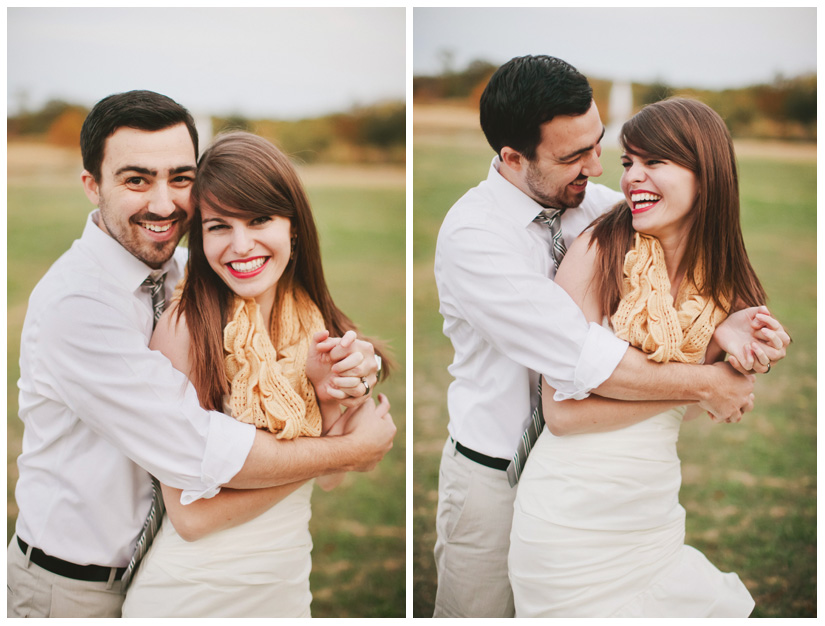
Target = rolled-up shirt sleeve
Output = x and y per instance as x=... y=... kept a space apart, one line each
x=228 y=443
x=91 y=357
x=600 y=355
x=523 y=314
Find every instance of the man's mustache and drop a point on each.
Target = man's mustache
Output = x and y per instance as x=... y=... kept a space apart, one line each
x=178 y=215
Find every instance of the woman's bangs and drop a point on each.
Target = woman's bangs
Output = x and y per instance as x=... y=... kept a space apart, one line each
x=231 y=198
x=633 y=139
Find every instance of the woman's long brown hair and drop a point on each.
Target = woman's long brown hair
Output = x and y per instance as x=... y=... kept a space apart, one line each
x=243 y=175
x=691 y=134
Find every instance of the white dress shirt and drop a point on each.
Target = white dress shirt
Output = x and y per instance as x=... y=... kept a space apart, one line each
x=507 y=319
x=102 y=411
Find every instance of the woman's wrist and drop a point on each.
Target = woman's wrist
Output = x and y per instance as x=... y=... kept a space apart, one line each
x=330 y=417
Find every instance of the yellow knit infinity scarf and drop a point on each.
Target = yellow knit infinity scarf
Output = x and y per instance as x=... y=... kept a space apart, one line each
x=269 y=387
x=647 y=317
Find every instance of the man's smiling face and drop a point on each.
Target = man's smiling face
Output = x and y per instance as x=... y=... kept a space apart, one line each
x=566 y=157
x=143 y=192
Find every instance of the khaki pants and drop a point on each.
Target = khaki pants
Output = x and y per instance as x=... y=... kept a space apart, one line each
x=475 y=514
x=36 y=592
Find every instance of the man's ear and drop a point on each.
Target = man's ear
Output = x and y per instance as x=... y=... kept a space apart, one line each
x=512 y=159
x=91 y=187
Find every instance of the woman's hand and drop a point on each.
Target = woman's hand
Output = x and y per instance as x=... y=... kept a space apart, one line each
x=753 y=339
x=319 y=367
x=353 y=368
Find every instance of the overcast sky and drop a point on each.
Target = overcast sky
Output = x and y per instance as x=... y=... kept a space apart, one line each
x=691 y=47
x=279 y=62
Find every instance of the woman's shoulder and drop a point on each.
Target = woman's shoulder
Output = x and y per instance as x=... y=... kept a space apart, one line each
x=578 y=272
x=171 y=337
x=585 y=246
x=171 y=322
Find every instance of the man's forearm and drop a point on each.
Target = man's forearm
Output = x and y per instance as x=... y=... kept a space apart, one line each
x=638 y=378
x=273 y=461
x=718 y=389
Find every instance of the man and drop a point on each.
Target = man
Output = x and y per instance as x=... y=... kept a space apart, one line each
x=102 y=412
x=508 y=322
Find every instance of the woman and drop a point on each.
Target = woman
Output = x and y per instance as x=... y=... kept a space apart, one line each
x=253 y=256
x=598 y=529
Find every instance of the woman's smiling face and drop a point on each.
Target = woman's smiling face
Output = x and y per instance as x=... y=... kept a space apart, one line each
x=248 y=253
x=660 y=193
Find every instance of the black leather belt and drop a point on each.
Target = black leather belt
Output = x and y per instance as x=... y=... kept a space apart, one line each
x=91 y=573
x=482 y=459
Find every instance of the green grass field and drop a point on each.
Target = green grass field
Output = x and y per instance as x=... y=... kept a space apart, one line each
x=749 y=489
x=359 y=564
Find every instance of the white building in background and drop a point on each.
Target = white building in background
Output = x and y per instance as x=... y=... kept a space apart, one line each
x=203 y=124
x=619 y=110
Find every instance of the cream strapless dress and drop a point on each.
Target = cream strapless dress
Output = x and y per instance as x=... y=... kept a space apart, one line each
x=598 y=531
x=258 y=569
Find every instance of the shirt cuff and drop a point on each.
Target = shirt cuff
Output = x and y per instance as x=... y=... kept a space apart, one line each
x=600 y=355
x=227 y=446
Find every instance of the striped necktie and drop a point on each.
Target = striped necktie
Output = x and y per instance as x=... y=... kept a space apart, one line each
x=552 y=219
x=528 y=440
x=147 y=533
x=153 y=284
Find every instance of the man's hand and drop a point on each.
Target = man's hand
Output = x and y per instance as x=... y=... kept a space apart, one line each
x=729 y=394
x=371 y=429
x=753 y=339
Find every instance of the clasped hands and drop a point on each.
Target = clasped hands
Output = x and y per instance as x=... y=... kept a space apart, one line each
x=342 y=369
x=337 y=367
x=753 y=340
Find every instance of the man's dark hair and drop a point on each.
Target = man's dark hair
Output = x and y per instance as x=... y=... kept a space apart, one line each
x=143 y=110
x=526 y=92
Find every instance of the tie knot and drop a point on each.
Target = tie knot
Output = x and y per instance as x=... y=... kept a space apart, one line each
x=548 y=216
x=154 y=285
x=155 y=279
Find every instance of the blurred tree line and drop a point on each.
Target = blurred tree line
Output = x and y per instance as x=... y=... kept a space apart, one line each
x=374 y=134
x=370 y=134
x=784 y=109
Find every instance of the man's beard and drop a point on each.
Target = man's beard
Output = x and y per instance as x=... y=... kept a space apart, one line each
x=559 y=201
x=152 y=253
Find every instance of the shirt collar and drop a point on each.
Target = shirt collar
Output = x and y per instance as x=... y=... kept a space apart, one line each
x=115 y=260
x=521 y=208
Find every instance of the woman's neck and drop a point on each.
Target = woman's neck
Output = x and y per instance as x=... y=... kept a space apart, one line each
x=266 y=302
x=674 y=247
